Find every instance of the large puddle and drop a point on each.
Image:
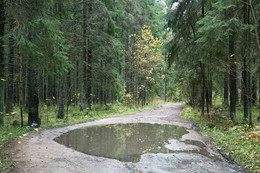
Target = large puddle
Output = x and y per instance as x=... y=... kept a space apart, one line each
x=125 y=142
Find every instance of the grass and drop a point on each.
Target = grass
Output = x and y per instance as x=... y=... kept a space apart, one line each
x=237 y=140
x=48 y=116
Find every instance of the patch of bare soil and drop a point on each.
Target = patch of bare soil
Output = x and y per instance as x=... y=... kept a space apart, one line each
x=40 y=153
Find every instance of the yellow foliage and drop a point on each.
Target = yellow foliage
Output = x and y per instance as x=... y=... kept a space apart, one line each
x=145 y=56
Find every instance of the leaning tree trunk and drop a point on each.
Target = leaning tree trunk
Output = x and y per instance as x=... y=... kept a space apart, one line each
x=2 y=24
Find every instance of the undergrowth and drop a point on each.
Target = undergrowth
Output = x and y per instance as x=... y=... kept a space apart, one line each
x=48 y=116
x=237 y=140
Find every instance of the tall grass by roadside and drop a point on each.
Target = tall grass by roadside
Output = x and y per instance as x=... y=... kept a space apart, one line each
x=237 y=140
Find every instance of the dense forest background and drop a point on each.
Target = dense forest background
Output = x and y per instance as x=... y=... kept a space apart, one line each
x=79 y=53
x=73 y=53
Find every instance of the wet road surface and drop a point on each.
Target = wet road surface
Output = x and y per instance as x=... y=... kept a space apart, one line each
x=162 y=142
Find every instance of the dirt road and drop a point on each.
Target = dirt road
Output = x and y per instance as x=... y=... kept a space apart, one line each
x=40 y=153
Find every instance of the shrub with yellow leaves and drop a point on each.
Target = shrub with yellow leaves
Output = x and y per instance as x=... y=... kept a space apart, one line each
x=145 y=61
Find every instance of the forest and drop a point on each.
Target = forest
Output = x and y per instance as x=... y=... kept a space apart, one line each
x=67 y=61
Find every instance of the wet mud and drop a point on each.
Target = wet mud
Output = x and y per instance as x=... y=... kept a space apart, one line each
x=157 y=140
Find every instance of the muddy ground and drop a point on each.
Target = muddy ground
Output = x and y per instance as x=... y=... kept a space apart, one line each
x=39 y=153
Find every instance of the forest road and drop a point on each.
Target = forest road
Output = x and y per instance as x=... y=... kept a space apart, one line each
x=39 y=153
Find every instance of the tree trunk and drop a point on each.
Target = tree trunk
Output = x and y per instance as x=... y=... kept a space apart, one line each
x=210 y=90
x=165 y=81
x=69 y=97
x=245 y=73
x=207 y=92
x=249 y=96
x=258 y=94
x=10 y=73
x=226 y=88
x=202 y=67
x=20 y=89
x=245 y=88
x=84 y=57
x=89 y=63
x=33 y=117
x=2 y=27
x=232 y=78
x=202 y=104
x=61 y=111
x=254 y=90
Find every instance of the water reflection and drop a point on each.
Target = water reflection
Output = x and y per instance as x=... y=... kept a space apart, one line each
x=124 y=142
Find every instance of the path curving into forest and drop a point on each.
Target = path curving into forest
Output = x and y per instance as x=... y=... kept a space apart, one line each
x=40 y=153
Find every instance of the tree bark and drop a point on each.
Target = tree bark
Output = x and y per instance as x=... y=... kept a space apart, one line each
x=244 y=54
x=254 y=92
x=69 y=89
x=258 y=94
x=84 y=57
x=2 y=26
x=89 y=63
x=208 y=92
x=10 y=73
x=232 y=78
x=249 y=96
x=202 y=68
x=33 y=117
x=226 y=88
x=20 y=89
x=61 y=111
x=165 y=81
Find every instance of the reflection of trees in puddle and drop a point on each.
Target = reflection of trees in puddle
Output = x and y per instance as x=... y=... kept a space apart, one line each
x=124 y=142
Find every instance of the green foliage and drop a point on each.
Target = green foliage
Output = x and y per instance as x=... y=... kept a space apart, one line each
x=231 y=140
x=5 y=162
